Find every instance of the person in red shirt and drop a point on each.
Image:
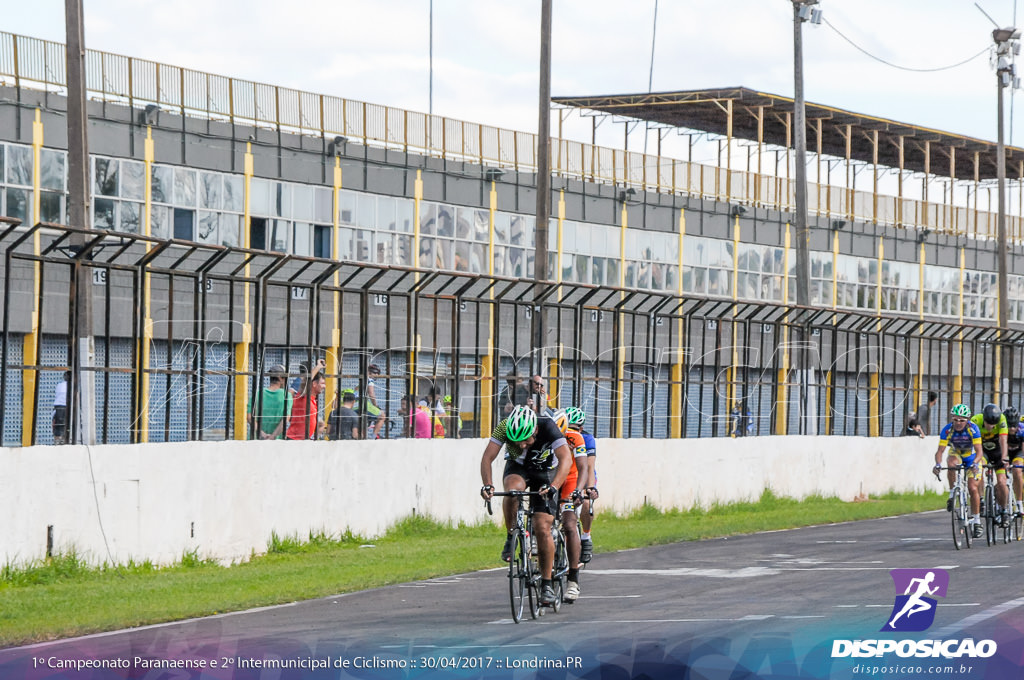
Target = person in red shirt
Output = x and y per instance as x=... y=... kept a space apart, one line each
x=303 y=423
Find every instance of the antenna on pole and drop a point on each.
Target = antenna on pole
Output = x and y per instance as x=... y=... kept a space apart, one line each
x=986 y=15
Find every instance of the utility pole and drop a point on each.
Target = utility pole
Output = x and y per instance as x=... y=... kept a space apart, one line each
x=81 y=414
x=1006 y=45
x=540 y=258
x=802 y=11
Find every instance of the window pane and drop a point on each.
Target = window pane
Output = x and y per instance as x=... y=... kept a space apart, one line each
x=482 y=225
x=445 y=220
x=517 y=230
x=184 y=187
x=403 y=250
x=346 y=239
x=346 y=207
x=426 y=253
x=103 y=213
x=501 y=227
x=302 y=243
x=19 y=165
x=234 y=193
x=160 y=222
x=161 y=180
x=516 y=263
x=279 y=235
x=385 y=213
x=207 y=227
x=428 y=218
x=283 y=198
x=50 y=204
x=210 y=191
x=230 y=229
x=130 y=217
x=478 y=258
x=385 y=252
x=464 y=228
x=2 y=175
x=445 y=254
x=404 y=216
x=364 y=245
x=461 y=256
x=302 y=202
x=51 y=169
x=105 y=177
x=323 y=200
x=366 y=211
x=133 y=180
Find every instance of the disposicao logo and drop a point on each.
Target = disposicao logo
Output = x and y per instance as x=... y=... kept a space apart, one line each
x=914 y=611
x=914 y=608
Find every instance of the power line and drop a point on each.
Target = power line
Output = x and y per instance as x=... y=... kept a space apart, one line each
x=897 y=66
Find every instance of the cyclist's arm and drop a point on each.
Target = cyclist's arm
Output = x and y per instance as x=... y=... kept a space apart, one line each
x=1002 y=446
x=564 y=461
x=581 y=472
x=487 y=461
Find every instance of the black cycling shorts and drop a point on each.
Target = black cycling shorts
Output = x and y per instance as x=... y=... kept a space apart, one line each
x=534 y=480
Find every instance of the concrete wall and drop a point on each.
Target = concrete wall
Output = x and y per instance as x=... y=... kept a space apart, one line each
x=224 y=499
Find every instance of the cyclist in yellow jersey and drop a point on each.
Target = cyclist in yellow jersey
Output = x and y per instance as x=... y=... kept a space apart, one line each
x=992 y=424
x=1015 y=452
x=963 y=439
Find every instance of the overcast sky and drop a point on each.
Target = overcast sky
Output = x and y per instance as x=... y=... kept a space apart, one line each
x=486 y=52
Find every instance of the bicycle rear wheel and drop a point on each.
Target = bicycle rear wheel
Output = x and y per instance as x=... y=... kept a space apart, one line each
x=961 y=532
x=517 y=577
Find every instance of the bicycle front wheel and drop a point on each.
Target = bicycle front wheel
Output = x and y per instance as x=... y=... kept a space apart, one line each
x=517 y=577
x=961 y=532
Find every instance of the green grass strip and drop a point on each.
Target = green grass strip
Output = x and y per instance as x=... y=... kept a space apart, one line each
x=64 y=596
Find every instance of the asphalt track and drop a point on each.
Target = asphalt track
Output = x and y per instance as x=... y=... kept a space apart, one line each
x=762 y=605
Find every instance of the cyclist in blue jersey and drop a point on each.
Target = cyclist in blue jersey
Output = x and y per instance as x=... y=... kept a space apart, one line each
x=577 y=418
x=1015 y=452
x=963 y=438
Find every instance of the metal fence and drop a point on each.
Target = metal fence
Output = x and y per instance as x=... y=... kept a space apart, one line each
x=184 y=332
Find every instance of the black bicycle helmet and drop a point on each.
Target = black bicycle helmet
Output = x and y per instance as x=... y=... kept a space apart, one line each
x=991 y=414
x=1012 y=416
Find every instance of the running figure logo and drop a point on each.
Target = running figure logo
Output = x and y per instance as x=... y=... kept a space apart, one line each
x=914 y=609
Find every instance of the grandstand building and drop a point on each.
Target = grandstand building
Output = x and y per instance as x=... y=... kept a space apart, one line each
x=249 y=224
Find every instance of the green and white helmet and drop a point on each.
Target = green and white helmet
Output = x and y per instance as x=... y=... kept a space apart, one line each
x=576 y=415
x=961 y=411
x=521 y=424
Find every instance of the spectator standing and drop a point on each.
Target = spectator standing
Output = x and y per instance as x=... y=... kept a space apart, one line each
x=454 y=428
x=303 y=423
x=371 y=409
x=275 y=406
x=514 y=394
x=60 y=410
x=344 y=419
x=742 y=421
x=539 y=400
x=419 y=418
x=924 y=413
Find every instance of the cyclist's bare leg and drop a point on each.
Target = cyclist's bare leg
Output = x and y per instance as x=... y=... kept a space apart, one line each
x=585 y=517
x=951 y=463
x=1001 y=495
x=508 y=504
x=572 y=538
x=1017 y=478
x=545 y=544
x=975 y=487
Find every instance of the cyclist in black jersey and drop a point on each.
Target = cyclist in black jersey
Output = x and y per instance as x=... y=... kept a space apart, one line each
x=537 y=458
x=1015 y=453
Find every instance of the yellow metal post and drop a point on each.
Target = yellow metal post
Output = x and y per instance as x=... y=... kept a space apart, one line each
x=781 y=403
x=676 y=389
x=146 y=341
x=620 y=371
x=30 y=342
x=559 y=244
x=242 y=347
x=489 y=367
x=332 y=362
x=416 y=206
